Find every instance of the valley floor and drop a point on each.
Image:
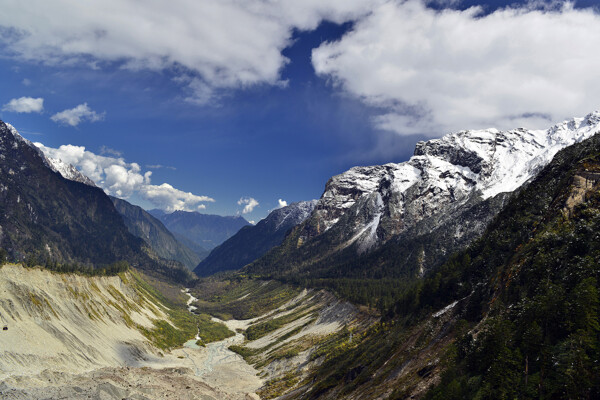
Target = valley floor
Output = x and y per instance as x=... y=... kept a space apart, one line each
x=76 y=337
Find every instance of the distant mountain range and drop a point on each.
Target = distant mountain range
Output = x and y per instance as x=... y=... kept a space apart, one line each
x=143 y=225
x=251 y=242
x=206 y=231
x=49 y=218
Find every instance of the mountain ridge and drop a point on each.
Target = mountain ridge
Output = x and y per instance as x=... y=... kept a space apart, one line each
x=47 y=218
x=252 y=241
x=206 y=230
x=142 y=224
x=365 y=207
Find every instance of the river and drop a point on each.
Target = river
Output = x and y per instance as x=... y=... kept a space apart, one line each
x=216 y=364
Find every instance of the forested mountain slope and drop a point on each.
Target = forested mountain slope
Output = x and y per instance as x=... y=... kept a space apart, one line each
x=143 y=225
x=48 y=219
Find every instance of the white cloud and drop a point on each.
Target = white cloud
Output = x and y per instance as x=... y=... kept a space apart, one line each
x=433 y=72
x=25 y=105
x=249 y=204
x=112 y=152
x=282 y=203
x=26 y=82
x=220 y=44
x=77 y=115
x=121 y=179
x=159 y=166
x=168 y=198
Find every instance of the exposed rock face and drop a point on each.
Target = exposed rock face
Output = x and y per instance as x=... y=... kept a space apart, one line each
x=582 y=184
x=252 y=242
x=364 y=207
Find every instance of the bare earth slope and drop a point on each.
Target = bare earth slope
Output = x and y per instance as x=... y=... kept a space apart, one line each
x=72 y=336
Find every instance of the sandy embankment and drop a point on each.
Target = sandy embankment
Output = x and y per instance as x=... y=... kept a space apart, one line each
x=70 y=336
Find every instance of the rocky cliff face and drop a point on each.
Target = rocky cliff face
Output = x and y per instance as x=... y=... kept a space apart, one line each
x=364 y=208
x=443 y=174
x=251 y=242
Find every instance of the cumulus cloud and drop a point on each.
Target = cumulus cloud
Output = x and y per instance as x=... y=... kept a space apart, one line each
x=430 y=72
x=77 y=115
x=122 y=179
x=169 y=198
x=219 y=44
x=282 y=203
x=25 y=105
x=249 y=204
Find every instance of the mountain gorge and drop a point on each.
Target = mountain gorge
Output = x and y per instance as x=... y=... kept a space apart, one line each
x=514 y=315
x=253 y=241
x=469 y=271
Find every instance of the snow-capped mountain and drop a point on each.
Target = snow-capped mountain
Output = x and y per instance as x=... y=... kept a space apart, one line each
x=443 y=173
x=253 y=241
x=420 y=211
x=291 y=215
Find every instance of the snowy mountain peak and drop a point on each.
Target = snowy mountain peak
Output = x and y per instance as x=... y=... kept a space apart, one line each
x=67 y=171
x=292 y=214
x=444 y=173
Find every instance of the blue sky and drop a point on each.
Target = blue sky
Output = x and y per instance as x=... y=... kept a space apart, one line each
x=232 y=104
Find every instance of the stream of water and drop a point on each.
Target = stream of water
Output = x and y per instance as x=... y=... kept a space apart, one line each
x=215 y=355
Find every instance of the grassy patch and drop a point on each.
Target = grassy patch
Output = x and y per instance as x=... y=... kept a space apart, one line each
x=211 y=331
x=278 y=386
x=241 y=298
x=184 y=325
x=245 y=352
